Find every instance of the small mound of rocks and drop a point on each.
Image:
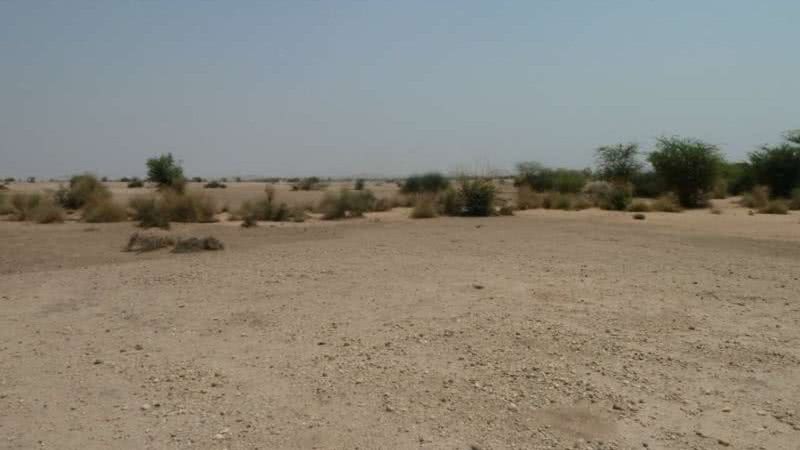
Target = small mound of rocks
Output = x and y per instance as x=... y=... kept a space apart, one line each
x=151 y=240
x=193 y=244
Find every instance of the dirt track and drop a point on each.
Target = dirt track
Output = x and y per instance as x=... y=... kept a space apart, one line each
x=544 y=330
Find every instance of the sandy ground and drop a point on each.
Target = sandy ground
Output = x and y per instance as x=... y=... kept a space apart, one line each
x=545 y=330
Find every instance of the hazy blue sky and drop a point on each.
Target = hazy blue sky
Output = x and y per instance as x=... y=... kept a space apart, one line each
x=384 y=87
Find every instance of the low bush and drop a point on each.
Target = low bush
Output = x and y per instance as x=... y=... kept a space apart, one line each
x=359 y=185
x=424 y=206
x=188 y=207
x=639 y=216
x=542 y=179
x=269 y=210
x=5 y=205
x=720 y=189
x=149 y=212
x=756 y=198
x=215 y=185
x=451 y=203
x=104 y=210
x=597 y=191
x=689 y=168
x=478 y=196
x=527 y=198
x=639 y=206
x=775 y=207
x=794 y=202
x=557 y=200
x=505 y=210
x=431 y=182
x=82 y=190
x=580 y=202
x=135 y=183
x=193 y=244
x=715 y=210
x=346 y=204
x=36 y=207
x=667 y=203
x=617 y=198
x=383 y=204
x=647 y=184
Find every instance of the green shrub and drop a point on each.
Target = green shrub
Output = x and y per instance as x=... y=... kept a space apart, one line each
x=166 y=172
x=215 y=185
x=667 y=203
x=432 y=182
x=135 y=183
x=775 y=207
x=639 y=206
x=757 y=198
x=82 y=190
x=618 y=163
x=478 y=196
x=738 y=176
x=778 y=167
x=557 y=200
x=689 y=167
x=346 y=203
x=542 y=179
x=647 y=184
x=104 y=210
x=424 y=206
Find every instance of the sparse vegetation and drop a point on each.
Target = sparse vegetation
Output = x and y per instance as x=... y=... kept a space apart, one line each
x=478 y=196
x=104 y=210
x=527 y=198
x=639 y=216
x=794 y=202
x=359 y=185
x=308 y=184
x=149 y=212
x=542 y=179
x=135 y=183
x=267 y=209
x=757 y=198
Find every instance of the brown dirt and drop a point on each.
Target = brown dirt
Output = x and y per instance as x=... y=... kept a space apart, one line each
x=549 y=329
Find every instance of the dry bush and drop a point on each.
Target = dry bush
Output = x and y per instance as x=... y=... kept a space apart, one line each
x=794 y=202
x=580 y=202
x=757 y=198
x=215 y=185
x=268 y=209
x=557 y=200
x=720 y=189
x=36 y=207
x=639 y=216
x=5 y=205
x=775 y=207
x=505 y=210
x=383 y=204
x=346 y=203
x=104 y=210
x=715 y=210
x=82 y=190
x=597 y=191
x=527 y=198
x=149 y=212
x=639 y=206
x=667 y=203
x=450 y=202
x=424 y=206
x=187 y=207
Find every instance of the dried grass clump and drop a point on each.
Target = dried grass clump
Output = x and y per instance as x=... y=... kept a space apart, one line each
x=775 y=207
x=104 y=210
x=188 y=207
x=527 y=198
x=794 y=202
x=5 y=205
x=639 y=206
x=639 y=216
x=757 y=198
x=424 y=207
x=148 y=210
x=268 y=209
x=667 y=203
x=346 y=204
x=35 y=207
x=82 y=190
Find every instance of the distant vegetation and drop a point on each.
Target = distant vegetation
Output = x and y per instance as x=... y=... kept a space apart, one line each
x=165 y=172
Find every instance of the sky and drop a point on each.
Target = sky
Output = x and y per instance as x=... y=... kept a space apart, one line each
x=384 y=87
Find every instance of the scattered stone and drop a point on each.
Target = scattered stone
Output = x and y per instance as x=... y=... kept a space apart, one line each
x=193 y=244
x=723 y=442
x=478 y=286
x=97 y=361
x=726 y=409
x=145 y=407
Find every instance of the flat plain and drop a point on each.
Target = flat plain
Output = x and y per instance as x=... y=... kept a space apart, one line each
x=548 y=329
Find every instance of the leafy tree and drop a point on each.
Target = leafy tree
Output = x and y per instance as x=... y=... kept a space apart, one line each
x=618 y=163
x=778 y=167
x=689 y=167
x=166 y=172
x=431 y=182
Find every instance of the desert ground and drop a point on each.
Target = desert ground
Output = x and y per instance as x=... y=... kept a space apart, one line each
x=548 y=329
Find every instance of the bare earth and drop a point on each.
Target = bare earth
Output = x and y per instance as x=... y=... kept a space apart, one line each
x=544 y=330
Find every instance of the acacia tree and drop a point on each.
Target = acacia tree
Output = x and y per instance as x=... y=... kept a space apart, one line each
x=778 y=167
x=618 y=163
x=689 y=167
x=165 y=171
